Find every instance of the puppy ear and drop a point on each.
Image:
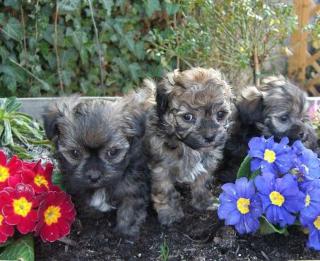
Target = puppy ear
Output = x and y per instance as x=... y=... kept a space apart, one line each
x=55 y=112
x=162 y=93
x=250 y=105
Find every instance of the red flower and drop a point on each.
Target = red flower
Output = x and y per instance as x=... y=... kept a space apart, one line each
x=56 y=214
x=18 y=207
x=9 y=171
x=5 y=230
x=38 y=177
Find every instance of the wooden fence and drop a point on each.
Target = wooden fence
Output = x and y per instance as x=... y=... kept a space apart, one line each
x=304 y=64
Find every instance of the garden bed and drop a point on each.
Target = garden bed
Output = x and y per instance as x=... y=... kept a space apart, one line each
x=200 y=236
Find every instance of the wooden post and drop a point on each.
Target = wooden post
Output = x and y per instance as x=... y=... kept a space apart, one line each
x=301 y=58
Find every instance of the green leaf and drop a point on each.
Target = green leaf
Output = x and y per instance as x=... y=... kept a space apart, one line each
x=12 y=104
x=7 y=133
x=107 y=5
x=267 y=228
x=152 y=6
x=13 y=29
x=245 y=170
x=22 y=250
x=15 y=4
x=69 y=5
x=57 y=180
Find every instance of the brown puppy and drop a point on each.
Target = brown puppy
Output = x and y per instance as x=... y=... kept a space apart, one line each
x=185 y=137
x=277 y=108
x=98 y=147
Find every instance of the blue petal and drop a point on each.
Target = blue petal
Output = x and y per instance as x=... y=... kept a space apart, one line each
x=233 y=218
x=255 y=164
x=314 y=239
x=225 y=209
x=241 y=187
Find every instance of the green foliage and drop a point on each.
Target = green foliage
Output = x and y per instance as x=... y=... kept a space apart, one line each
x=229 y=34
x=21 y=249
x=164 y=251
x=267 y=228
x=18 y=131
x=245 y=170
x=97 y=47
x=106 y=47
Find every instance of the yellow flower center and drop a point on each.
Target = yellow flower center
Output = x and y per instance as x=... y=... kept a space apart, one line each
x=1 y=219
x=40 y=180
x=269 y=156
x=316 y=222
x=22 y=206
x=243 y=205
x=52 y=215
x=307 y=200
x=4 y=173
x=276 y=198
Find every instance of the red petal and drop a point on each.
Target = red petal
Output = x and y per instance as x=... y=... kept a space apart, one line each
x=4 y=197
x=13 y=181
x=3 y=158
x=49 y=233
x=26 y=226
x=64 y=228
x=10 y=217
x=3 y=238
x=6 y=229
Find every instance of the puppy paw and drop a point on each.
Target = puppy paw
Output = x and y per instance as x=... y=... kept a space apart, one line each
x=168 y=216
x=128 y=232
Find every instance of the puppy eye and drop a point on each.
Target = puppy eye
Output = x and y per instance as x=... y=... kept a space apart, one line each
x=111 y=153
x=75 y=154
x=221 y=115
x=284 y=118
x=188 y=117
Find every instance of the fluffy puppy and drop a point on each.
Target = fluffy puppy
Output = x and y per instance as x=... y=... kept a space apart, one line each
x=277 y=108
x=185 y=137
x=98 y=148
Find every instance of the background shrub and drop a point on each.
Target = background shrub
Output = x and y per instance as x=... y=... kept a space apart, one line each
x=106 y=47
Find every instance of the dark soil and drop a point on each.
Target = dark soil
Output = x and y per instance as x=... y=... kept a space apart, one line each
x=199 y=236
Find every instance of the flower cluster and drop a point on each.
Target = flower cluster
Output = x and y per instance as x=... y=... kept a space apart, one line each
x=30 y=202
x=285 y=189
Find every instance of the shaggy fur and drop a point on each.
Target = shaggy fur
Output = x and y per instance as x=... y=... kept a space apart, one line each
x=277 y=108
x=185 y=137
x=98 y=147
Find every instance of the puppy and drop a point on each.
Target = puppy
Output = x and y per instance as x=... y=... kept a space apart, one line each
x=98 y=148
x=185 y=137
x=277 y=108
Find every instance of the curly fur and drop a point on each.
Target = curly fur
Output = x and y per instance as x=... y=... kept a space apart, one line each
x=184 y=148
x=99 y=150
x=277 y=108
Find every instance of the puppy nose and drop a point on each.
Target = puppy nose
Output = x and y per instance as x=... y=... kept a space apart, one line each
x=93 y=175
x=302 y=135
x=209 y=138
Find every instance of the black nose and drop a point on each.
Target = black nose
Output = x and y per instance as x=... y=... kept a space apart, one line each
x=209 y=139
x=93 y=175
x=301 y=135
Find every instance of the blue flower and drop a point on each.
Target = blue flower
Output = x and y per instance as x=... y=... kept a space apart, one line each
x=311 y=201
x=240 y=206
x=313 y=224
x=281 y=198
x=270 y=156
x=306 y=164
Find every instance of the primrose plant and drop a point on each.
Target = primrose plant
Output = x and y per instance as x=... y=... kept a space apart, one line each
x=277 y=186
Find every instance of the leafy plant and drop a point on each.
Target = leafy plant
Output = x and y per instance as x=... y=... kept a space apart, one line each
x=18 y=131
x=164 y=251
x=21 y=249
